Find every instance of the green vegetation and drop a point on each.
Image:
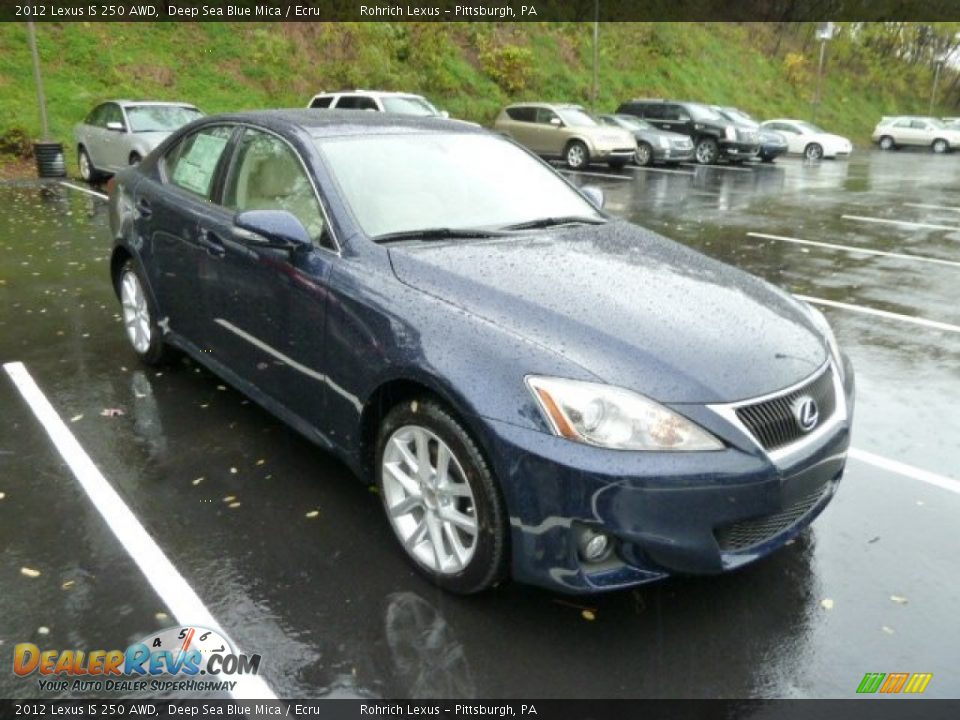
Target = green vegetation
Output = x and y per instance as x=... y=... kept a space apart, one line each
x=473 y=69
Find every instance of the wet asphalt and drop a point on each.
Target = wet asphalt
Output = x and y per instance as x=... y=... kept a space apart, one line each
x=304 y=570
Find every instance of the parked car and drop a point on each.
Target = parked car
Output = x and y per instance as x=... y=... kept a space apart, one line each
x=905 y=131
x=566 y=132
x=118 y=133
x=714 y=136
x=806 y=139
x=377 y=101
x=772 y=143
x=511 y=365
x=653 y=144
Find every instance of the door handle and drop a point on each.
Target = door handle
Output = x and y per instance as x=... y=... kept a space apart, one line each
x=143 y=208
x=211 y=243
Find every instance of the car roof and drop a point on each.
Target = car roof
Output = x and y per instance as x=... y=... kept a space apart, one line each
x=137 y=103
x=384 y=93
x=549 y=105
x=332 y=123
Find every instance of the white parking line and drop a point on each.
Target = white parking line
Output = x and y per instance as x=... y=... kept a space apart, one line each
x=637 y=168
x=882 y=313
x=718 y=167
x=909 y=471
x=603 y=175
x=927 y=206
x=849 y=248
x=85 y=190
x=905 y=223
x=165 y=579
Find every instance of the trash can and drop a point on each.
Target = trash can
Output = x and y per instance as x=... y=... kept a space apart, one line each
x=50 y=162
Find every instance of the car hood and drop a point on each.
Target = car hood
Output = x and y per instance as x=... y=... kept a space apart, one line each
x=831 y=139
x=628 y=306
x=152 y=139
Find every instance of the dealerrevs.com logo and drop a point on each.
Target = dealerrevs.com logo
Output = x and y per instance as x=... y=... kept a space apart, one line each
x=177 y=659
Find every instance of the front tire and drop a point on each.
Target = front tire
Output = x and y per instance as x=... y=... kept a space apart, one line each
x=707 y=151
x=88 y=172
x=441 y=498
x=813 y=151
x=140 y=317
x=886 y=143
x=576 y=155
x=941 y=146
x=644 y=155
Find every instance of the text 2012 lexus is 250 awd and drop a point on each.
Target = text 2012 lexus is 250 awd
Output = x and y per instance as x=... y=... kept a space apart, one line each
x=541 y=391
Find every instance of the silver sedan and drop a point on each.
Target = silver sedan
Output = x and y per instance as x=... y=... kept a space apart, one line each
x=119 y=133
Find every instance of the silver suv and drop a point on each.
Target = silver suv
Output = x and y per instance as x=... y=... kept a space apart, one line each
x=377 y=101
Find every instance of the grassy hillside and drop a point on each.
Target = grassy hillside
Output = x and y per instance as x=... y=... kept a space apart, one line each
x=469 y=69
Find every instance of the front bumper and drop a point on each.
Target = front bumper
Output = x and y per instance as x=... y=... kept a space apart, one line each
x=670 y=513
x=738 y=150
x=773 y=151
x=673 y=154
x=625 y=154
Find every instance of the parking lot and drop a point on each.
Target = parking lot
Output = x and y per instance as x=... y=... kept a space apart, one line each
x=292 y=555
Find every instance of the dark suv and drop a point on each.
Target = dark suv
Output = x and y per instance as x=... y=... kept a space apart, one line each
x=714 y=136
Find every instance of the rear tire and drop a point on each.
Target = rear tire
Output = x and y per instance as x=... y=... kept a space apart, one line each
x=887 y=143
x=469 y=553
x=813 y=151
x=940 y=146
x=135 y=158
x=88 y=173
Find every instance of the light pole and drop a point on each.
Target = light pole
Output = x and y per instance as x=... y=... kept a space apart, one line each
x=38 y=79
x=596 y=55
x=941 y=59
x=48 y=153
x=824 y=33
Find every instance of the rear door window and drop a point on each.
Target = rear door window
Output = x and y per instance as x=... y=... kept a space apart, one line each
x=357 y=102
x=321 y=102
x=545 y=115
x=522 y=114
x=652 y=112
x=192 y=164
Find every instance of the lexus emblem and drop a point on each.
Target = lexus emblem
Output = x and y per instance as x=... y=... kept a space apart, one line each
x=806 y=412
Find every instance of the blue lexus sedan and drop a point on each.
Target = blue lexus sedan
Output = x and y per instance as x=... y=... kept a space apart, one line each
x=540 y=391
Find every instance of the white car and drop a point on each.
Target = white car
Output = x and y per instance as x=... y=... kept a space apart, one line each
x=808 y=140
x=377 y=101
x=894 y=132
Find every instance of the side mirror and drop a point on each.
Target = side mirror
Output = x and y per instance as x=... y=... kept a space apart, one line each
x=116 y=126
x=444 y=114
x=556 y=122
x=272 y=229
x=594 y=195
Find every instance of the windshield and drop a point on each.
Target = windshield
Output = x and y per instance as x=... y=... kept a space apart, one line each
x=738 y=116
x=399 y=183
x=408 y=105
x=576 y=117
x=160 y=118
x=702 y=112
x=936 y=123
x=632 y=123
x=808 y=127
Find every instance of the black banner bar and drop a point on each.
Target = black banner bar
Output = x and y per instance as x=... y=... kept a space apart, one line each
x=876 y=708
x=477 y=10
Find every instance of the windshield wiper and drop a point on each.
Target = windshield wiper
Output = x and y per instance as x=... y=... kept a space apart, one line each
x=553 y=221
x=436 y=234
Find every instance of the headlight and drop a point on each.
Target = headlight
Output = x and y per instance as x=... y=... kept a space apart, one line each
x=664 y=143
x=731 y=132
x=820 y=320
x=616 y=418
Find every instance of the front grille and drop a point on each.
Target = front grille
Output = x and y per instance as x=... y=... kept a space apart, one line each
x=748 y=136
x=746 y=534
x=773 y=422
x=684 y=144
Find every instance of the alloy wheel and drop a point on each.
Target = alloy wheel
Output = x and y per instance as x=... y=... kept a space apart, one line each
x=576 y=156
x=85 y=171
x=940 y=146
x=643 y=154
x=706 y=154
x=136 y=314
x=814 y=152
x=886 y=143
x=429 y=501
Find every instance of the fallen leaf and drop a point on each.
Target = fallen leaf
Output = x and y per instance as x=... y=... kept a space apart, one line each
x=373 y=488
x=112 y=412
x=313 y=514
x=873 y=540
x=43 y=630
x=198 y=481
x=68 y=584
x=588 y=615
x=161 y=616
x=76 y=418
x=826 y=604
x=887 y=630
x=2 y=495
x=899 y=599
x=29 y=572
x=261 y=461
x=229 y=498
x=221 y=388
x=234 y=505
x=233 y=471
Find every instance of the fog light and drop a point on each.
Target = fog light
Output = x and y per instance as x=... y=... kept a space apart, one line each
x=594 y=546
